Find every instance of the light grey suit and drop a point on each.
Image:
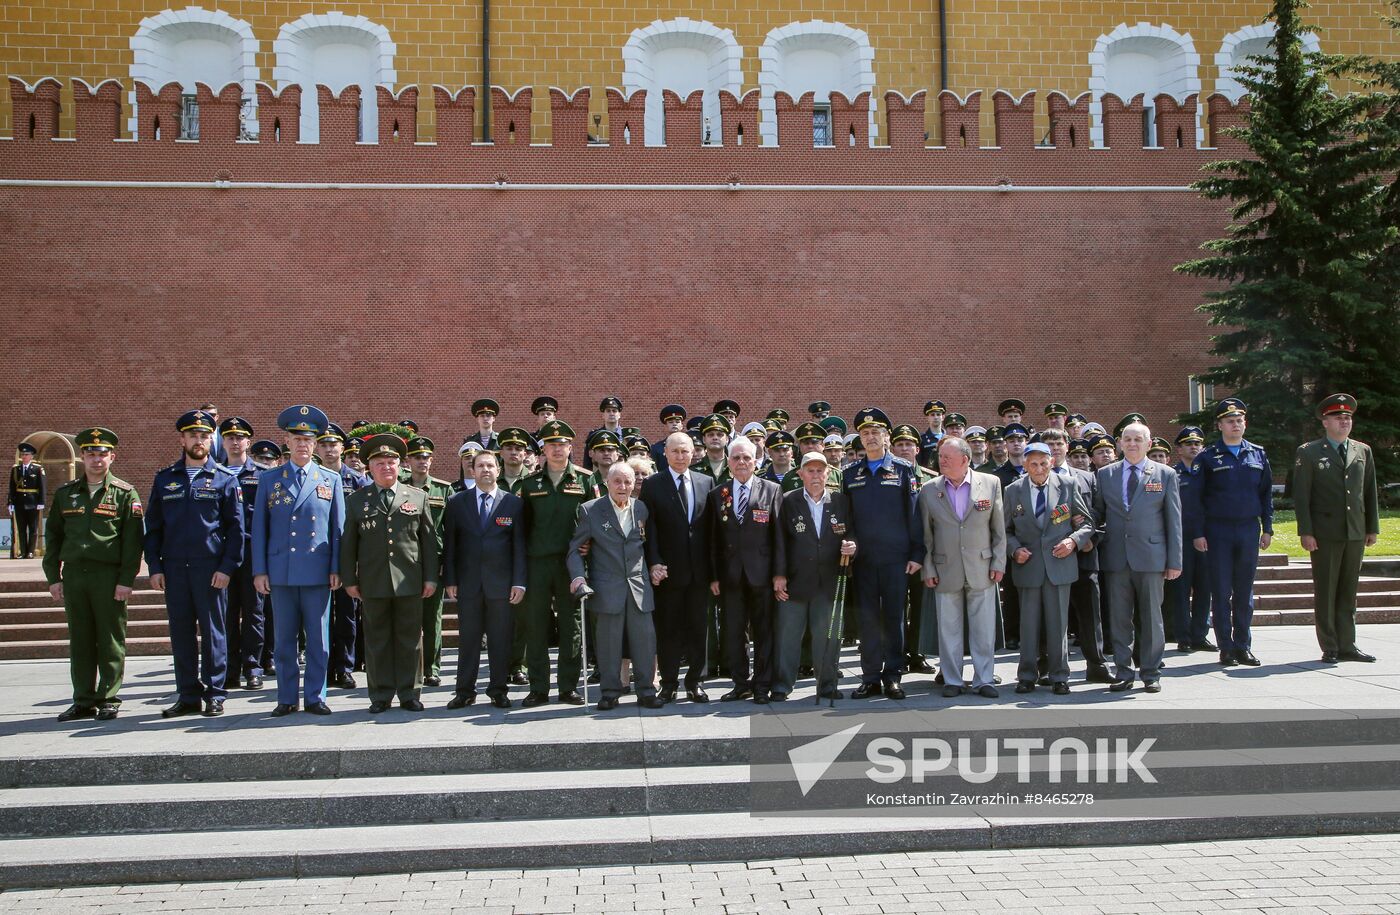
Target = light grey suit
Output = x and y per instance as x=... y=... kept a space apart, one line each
x=1139 y=544
x=962 y=553
x=622 y=597
x=1043 y=580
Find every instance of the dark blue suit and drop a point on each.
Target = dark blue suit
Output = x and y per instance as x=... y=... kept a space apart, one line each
x=194 y=528
x=296 y=543
x=483 y=559
x=345 y=633
x=247 y=609
x=1190 y=593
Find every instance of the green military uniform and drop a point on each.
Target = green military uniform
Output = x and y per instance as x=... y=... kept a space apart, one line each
x=551 y=513
x=514 y=435
x=438 y=491
x=93 y=542
x=389 y=550
x=1337 y=502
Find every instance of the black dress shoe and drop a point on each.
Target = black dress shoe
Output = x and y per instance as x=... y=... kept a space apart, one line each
x=920 y=665
x=895 y=691
x=107 y=711
x=697 y=695
x=1206 y=645
x=1329 y=657
x=76 y=712
x=806 y=670
x=462 y=700
x=1099 y=675
x=283 y=709
x=595 y=677
x=572 y=697
x=607 y=704
x=938 y=680
x=501 y=701
x=651 y=702
x=737 y=693
x=181 y=708
x=1061 y=689
x=1183 y=647
x=760 y=698
x=1025 y=686
x=778 y=697
x=996 y=679
x=866 y=691
x=344 y=680
x=320 y=708
x=1152 y=686
x=1228 y=659
x=252 y=682
x=379 y=705
x=1120 y=686
x=213 y=708
x=1245 y=656
x=270 y=669
x=1356 y=654
x=534 y=699
x=1043 y=680
x=411 y=705
x=666 y=695
x=432 y=681
x=519 y=679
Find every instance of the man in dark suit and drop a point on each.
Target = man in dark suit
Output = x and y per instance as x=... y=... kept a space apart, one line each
x=814 y=536
x=745 y=549
x=484 y=571
x=678 y=555
x=614 y=528
x=27 y=490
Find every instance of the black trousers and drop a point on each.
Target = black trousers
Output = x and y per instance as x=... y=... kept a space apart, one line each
x=246 y=627
x=880 y=593
x=477 y=613
x=746 y=608
x=680 y=632
x=344 y=627
x=1084 y=604
x=26 y=531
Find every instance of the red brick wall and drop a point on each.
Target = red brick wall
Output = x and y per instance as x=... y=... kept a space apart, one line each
x=126 y=306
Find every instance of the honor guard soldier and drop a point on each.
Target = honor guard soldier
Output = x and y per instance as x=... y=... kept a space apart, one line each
x=1233 y=502
x=420 y=463
x=714 y=432
x=819 y=410
x=780 y=469
x=245 y=621
x=27 y=490
x=545 y=408
x=331 y=449
x=934 y=411
x=1189 y=595
x=390 y=560
x=194 y=545
x=1335 y=496
x=552 y=497
x=673 y=418
x=906 y=445
x=516 y=444
x=484 y=410
x=93 y=552
x=882 y=489
x=1011 y=411
x=729 y=409
x=297 y=524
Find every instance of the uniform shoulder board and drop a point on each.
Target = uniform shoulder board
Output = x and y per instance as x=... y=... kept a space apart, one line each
x=122 y=485
x=439 y=482
x=414 y=489
x=899 y=461
x=175 y=466
x=226 y=470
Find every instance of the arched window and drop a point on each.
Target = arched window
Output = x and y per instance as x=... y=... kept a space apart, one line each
x=335 y=50
x=818 y=57
x=682 y=55
x=1147 y=59
x=1238 y=47
x=195 y=45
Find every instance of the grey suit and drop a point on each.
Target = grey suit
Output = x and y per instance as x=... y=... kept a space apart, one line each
x=1043 y=581
x=1139 y=544
x=622 y=597
x=962 y=553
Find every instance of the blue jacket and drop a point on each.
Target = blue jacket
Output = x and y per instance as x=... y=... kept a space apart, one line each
x=248 y=481
x=351 y=479
x=1229 y=488
x=296 y=537
x=199 y=520
x=883 y=511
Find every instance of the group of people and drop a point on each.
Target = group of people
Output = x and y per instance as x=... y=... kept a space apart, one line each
x=750 y=550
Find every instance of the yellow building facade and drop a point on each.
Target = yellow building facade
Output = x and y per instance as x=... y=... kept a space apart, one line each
x=1016 y=45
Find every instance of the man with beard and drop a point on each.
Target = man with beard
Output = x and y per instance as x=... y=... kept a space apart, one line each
x=194 y=545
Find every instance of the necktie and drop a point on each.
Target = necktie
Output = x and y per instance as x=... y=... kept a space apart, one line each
x=1132 y=482
x=1342 y=450
x=386 y=499
x=741 y=505
x=1040 y=503
x=685 y=500
x=301 y=477
x=485 y=509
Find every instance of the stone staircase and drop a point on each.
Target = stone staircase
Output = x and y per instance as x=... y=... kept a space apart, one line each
x=32 y=625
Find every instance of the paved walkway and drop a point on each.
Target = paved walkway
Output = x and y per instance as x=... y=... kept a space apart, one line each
x=1342 y=874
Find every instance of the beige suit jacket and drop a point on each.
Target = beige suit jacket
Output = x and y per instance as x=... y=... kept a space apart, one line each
x=963 y=553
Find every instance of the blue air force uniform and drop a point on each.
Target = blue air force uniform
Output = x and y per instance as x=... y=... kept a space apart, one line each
x=246 y=612
x=1233 y=500
x=296 y=543
x=194 y=528
x=1190 y=593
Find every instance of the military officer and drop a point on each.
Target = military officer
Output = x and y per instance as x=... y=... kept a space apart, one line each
x=610 y=409
x=934 y=411
x=1011 y=410
x=834 y=450
x=332 y=449
x=420 y=464
x=818 y=410
x=267 y=454
x=391 y=562
x=93 y=552
x=27 y=491
x=516 y=443
x=780 y=416
x=545 y=408
x=1074 y=425
x=1103 y=450
x=1336 y=500
x=780 y=470
x=1160 y=450
x=637 y=446
x=729 y=409
x=245 y=619
x=194 y=545
x=997 y=453
x=297 y=523
x=1190 y=594
x=976 y=438
x=1233 y=499
x=673 y=417
x=905 y=444
x=1079 y=455
x=552 y=497
x=1055 y=415
x=484 y=410
x=954 y=424
x=407 y=424
x=604 y=449
x=466 y=455
x=715 y=431
x=1127 y=420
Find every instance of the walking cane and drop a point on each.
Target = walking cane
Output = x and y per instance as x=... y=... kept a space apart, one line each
x=835 y=621
x=583 y=594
